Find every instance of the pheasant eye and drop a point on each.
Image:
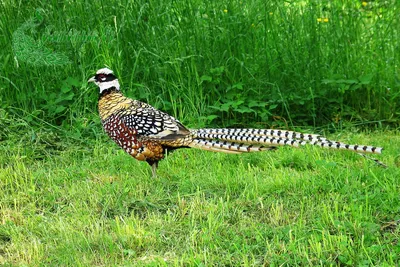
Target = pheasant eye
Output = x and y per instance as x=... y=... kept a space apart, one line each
x=102 y=77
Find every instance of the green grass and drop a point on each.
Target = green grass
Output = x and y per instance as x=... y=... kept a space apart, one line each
x=94 y=205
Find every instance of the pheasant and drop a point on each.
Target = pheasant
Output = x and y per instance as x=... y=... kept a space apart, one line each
x=148 y=134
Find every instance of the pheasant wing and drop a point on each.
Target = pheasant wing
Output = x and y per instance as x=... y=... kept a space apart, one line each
x=151 y=122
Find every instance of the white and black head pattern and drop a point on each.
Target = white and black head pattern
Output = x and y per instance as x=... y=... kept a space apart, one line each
x=105 y=79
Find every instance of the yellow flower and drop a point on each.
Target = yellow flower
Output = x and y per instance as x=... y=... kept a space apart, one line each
x=271 y=13
x=319 y=19
x=326 y=19
x=225 y=10
x=364 y=3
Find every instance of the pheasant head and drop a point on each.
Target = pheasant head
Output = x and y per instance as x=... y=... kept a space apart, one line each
x=105 y=80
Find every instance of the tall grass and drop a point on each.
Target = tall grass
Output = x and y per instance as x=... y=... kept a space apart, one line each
x=222 y=62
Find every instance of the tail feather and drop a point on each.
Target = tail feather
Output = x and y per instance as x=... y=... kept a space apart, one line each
x=380 y=163
x=242 y=137
x=264 y=133
x=270 y=141
x=227 y=147
x=355 y=148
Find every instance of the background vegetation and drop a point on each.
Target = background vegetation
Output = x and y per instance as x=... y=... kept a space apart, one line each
x=69 y=196
x=223 y=62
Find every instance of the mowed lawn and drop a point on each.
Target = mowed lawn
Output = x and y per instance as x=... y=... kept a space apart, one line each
x=94 y=205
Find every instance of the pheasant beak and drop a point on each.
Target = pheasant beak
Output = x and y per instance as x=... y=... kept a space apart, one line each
x=92 y=79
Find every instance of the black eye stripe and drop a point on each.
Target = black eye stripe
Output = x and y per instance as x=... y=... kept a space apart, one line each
x=105 y=77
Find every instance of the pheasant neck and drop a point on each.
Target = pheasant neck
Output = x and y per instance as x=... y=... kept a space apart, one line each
x=108 y=91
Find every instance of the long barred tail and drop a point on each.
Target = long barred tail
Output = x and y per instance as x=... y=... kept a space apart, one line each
x=251 y=140
x=227 y=147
